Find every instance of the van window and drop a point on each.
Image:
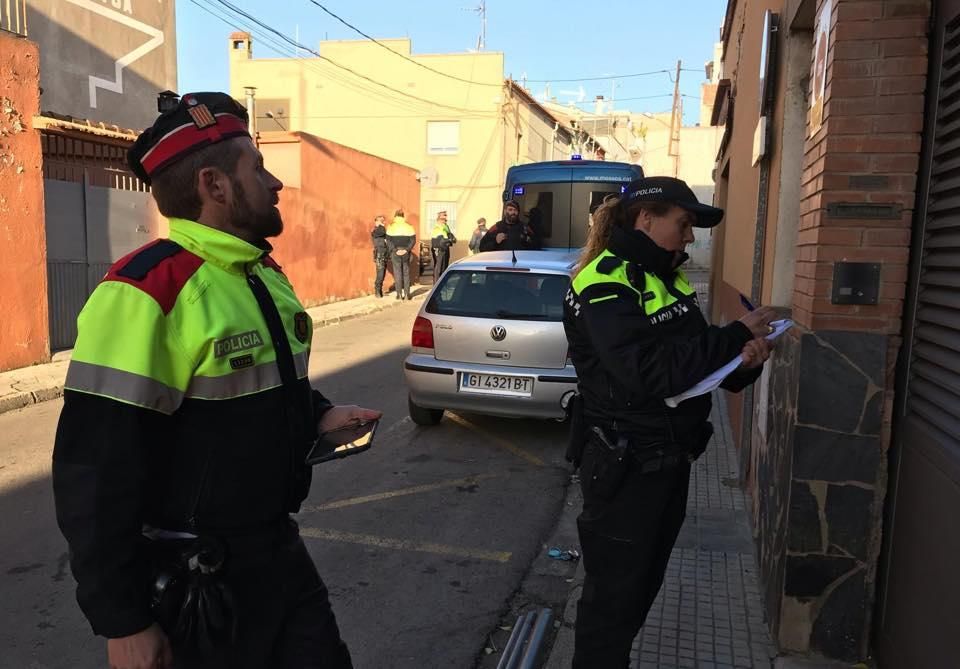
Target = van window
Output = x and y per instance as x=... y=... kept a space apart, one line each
x=587 y=198
x=546 y=208
x=502 y=295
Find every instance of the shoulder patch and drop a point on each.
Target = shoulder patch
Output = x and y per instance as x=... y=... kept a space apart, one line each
x=137 y=265
x=160 y=269
x=608 y=264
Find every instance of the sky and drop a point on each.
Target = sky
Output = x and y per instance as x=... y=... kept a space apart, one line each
x=542 y=39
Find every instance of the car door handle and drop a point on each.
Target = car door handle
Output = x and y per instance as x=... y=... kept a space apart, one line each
x=499 y=355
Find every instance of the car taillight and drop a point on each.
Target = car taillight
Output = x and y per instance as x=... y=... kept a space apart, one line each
x=422 y=333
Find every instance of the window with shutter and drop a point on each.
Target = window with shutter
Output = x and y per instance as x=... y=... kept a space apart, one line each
x=934 y=391
x=443 y=137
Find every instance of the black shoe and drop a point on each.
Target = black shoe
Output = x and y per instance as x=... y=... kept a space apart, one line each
x=409 y=296
x=399 y=296
x=379 y=293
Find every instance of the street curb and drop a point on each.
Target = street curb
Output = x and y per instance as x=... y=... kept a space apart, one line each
x=23 y=399
x=333 y=320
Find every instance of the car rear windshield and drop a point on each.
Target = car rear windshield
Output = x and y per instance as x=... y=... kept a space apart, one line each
x=500 y=294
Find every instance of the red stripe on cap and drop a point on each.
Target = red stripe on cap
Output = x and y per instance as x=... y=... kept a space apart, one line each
x=189 y=137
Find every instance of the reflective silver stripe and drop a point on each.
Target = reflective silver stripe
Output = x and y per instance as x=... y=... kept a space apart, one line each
x=301 y=361
x=245 y=381
x=128 y=387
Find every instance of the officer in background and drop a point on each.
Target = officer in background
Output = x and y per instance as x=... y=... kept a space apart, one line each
x=474 y=245
x=188 y=411
x=441 y=239
x=380 y=252
x=636 y=337
x=401 y=238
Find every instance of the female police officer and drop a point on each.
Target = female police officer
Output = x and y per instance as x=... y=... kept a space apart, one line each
x=636 y=337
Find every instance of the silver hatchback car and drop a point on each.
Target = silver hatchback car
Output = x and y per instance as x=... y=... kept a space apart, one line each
x=489 y=339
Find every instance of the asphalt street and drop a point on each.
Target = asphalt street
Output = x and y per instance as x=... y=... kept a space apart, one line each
x=424 y=541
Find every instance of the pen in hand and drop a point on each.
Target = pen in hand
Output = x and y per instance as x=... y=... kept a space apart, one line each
x=746 y=303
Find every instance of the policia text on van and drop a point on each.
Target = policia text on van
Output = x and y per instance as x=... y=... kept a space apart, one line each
x=636 y=337
x=187 y=417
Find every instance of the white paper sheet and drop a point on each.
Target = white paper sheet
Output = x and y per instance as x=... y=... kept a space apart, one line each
x=713 y=381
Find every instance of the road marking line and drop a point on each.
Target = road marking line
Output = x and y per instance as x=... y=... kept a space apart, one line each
x=412 y=490
x=404 y=544
x=503 y=443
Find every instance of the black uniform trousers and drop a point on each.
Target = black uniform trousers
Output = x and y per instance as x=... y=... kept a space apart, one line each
x=626 y=543
x=285 y=617
x=381 y=262
x=441 y=259
x=401 y=274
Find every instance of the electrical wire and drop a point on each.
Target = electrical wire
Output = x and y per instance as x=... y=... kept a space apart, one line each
x=614 y=76
x=286 y=51
x=400 y=55
x=286 y=38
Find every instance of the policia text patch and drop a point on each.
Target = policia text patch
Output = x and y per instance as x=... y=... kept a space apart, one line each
x=237 y=342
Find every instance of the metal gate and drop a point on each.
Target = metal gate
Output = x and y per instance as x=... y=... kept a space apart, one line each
x=918 y=616
x=88 y=228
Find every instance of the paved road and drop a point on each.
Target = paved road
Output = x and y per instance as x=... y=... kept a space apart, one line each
x=423 y=540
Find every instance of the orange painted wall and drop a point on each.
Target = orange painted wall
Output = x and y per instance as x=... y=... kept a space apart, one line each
x=325 y=249
x=24 y=336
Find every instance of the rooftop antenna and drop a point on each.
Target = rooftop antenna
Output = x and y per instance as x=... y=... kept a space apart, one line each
x=481 y=11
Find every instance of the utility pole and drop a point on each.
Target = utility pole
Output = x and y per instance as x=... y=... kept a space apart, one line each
x=676 y=120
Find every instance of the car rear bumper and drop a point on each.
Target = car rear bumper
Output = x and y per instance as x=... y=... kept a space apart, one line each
x=434 y=384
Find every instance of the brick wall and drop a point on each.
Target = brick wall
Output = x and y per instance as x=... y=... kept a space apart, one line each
x=24 y=339
x=827 y=461
x=867 y=151
x=328 y=203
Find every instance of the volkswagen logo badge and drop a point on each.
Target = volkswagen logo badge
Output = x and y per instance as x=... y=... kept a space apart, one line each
x=498 y=333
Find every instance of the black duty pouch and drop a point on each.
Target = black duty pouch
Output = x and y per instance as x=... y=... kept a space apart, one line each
x=604 y=465
x=577 y=437
x=188 y=597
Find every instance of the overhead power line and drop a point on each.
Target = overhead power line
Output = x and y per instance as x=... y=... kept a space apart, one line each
x=286 y=51
x=294 y=43
x=400 y=55
x=613 y=76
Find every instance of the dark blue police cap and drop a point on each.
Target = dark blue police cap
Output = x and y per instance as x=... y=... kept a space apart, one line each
x=674 y=191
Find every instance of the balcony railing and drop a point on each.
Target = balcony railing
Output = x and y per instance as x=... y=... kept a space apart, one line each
x=13 y=16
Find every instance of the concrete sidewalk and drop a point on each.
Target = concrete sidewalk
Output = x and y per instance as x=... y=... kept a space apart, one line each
x=39 y=383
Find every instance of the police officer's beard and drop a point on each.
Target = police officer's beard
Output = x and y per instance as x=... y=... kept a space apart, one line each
x=261 y=224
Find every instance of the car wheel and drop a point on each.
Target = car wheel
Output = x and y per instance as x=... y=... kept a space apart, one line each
x=422 y=416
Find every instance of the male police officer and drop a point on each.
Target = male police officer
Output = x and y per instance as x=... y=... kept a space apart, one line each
x=188 y=411
x=380 y=252
x=441 y=239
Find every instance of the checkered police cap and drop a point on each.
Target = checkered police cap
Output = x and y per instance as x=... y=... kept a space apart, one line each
x=198 y=120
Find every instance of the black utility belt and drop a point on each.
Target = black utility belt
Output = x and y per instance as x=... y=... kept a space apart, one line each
x=648 y=457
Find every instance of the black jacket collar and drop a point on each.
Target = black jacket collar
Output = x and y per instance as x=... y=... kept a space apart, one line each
x=636 y=247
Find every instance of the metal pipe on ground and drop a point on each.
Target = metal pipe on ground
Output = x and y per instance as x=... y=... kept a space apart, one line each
x=523 y=646
x=536 y=639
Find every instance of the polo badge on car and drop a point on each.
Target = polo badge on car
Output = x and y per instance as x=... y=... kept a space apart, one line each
x=498 y=333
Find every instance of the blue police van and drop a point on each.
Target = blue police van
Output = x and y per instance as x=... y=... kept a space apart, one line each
x=559 y=197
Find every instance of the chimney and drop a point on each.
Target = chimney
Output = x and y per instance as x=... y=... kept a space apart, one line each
x=599 y=105
x=241 y=46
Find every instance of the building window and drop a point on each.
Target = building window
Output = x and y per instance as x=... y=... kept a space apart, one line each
x=434 y=208
x=443 y=137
